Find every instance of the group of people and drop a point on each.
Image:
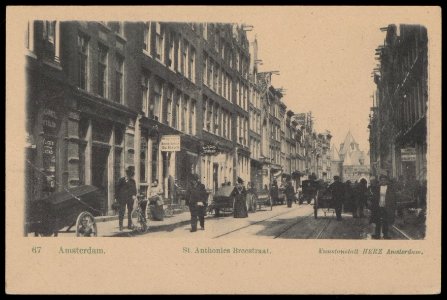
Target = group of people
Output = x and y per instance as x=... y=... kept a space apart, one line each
x=382 y=196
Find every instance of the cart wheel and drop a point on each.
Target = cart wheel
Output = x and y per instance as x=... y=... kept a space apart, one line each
x=315 y=212
x=86 y=225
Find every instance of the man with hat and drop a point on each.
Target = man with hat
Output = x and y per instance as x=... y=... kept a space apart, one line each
x=126 y=194
x=338 y=194
x=197 y=201
x=383 y=206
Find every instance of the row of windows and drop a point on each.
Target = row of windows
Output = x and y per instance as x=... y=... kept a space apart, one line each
x=275 y=155
x=242 y=130
x=180 y=108
x=242 y=95
x=235 y=58
x=103 y=70
x=169 y=48
x=255 y=98
x=412 y=107
x=255 y=148
x=255 y=121
x=216 y=119
x=216 y=78
x=275 y=132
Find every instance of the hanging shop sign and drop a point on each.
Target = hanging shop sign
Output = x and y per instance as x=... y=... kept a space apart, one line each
x=209 y=149
x=408 y=154
x=170 y=143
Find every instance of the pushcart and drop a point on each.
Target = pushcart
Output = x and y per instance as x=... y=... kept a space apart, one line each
x=76 y=207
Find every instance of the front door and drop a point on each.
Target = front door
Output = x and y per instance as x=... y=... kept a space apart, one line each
x=100 y=157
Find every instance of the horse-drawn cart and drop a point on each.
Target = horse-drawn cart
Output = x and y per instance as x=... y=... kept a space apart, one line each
x=75 y=207
x=323 y=200
x=222 y=201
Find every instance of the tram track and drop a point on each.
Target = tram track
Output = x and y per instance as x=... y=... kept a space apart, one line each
x=401 y=232
x=257 y=222
x=293 y=225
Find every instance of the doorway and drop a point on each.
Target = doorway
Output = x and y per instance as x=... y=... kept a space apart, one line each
x=215 y=176
x=100 y=157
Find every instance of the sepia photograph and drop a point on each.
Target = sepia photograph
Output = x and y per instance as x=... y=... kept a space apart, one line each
x=166 y=129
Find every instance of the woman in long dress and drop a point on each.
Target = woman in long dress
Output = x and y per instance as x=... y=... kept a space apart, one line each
x=240 y=204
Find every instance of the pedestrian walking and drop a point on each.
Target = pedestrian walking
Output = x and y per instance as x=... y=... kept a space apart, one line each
x=197 y=202
x=349 y=201
x=126 y=195
x=361 y=195
x=240 y=204
x=383 y=207
x=274 y=192
x=337 y=190
x=289 y=192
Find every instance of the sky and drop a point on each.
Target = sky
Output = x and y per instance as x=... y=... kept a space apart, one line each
x=325 y=63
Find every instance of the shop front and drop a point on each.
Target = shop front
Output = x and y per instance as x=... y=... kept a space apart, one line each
x=166 y=156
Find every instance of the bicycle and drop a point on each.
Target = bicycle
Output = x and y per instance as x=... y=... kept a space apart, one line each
x=140 y=215
x=169 y=210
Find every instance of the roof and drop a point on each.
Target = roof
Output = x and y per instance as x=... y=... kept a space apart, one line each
x=334 y=154
x=348 y=143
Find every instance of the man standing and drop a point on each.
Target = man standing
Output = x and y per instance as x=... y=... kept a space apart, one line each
x=338 y=193
x=289 y=192
x=126 y=194
x=383 y=207
x=197 y=201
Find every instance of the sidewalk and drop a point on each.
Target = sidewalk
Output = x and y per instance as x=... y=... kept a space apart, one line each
x=108 y=226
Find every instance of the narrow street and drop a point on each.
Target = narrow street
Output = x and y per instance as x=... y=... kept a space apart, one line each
x=297 y=222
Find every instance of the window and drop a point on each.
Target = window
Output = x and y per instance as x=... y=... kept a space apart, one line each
x=204 y=113
x=178 y=54
x=215 y=120
x=205 y=69
x=170 y=61
x=193 y=118
x=220 y=82
x=184 y=66
x=102 y=71
x=49 y=29
x=185 y=115
x=222 y=50
x=205 y=31
x=154 y=107
x=143 y=157
x=224 y=124
x=211 y=73
x=176 y=112
x=210 y=115
x=192 y=64
x=147 y=37
x=145 y=94
x=216 y=78
x=159 y=42
x=119 y=77
x=83 y=62
x=154 y=161
x=169 y=103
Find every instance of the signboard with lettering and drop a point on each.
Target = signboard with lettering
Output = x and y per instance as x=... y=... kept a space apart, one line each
x=49 y=160
x=170 y=143
x=49 y=119
x=209 y=149
x=408 y=154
